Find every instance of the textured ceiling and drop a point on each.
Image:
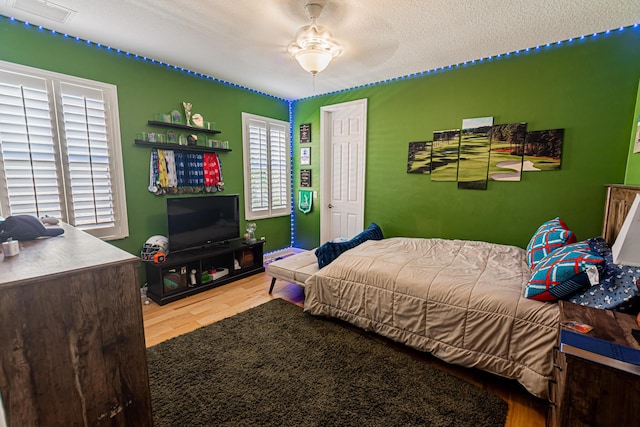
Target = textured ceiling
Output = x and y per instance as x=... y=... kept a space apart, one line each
x=245 y=41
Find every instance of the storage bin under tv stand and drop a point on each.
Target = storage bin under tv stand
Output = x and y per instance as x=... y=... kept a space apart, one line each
x=177 y=269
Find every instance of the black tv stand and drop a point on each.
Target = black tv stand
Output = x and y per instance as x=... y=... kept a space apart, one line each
x=214 y=265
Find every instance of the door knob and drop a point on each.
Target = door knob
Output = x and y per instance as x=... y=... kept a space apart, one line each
x=330 y=206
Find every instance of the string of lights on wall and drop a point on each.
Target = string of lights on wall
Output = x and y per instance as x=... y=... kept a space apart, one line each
x=291 y=102
x=293 y=208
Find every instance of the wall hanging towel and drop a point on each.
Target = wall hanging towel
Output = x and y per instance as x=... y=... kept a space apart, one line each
x=179 y=172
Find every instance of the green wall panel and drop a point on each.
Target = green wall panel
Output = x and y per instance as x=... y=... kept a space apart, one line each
x=587 y=87
x=145 y=89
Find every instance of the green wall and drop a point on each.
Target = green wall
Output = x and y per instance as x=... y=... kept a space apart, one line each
x=633 y=164
x=587 y=87
x=145 y=89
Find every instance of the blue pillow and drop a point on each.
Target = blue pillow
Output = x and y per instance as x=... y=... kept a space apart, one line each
x=551 y=235
x=617 y=289
x=563 y=272
x=331 y=250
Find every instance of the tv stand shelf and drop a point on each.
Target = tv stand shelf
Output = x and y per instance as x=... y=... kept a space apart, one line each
x=192 y=271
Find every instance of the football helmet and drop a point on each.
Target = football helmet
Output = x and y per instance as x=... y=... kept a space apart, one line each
x=155 y=249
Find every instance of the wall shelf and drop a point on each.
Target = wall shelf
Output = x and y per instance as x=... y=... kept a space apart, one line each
x=180 y=126
x=174 y=146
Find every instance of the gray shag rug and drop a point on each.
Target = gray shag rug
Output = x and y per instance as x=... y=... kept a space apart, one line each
x=274 y=365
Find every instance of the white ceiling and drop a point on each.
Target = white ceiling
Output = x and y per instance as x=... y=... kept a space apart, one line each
x=245 y=41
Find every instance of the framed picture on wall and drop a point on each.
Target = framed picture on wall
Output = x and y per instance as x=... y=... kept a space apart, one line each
x=305 y=156
x=305 y=132
x=305 y=177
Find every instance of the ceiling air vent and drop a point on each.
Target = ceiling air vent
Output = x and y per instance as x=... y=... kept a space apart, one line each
x=44 y=9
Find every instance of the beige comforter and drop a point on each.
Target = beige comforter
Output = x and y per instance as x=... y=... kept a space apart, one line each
x=459 y=300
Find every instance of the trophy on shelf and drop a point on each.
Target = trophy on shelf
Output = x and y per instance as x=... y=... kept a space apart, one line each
x=250 y=236
x=187 y=111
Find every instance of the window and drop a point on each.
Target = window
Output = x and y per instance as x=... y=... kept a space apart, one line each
x=60 y=151
x=267 y=176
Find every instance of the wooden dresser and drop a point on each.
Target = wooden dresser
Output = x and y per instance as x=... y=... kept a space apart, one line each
x=72 y=346
x=597 y=376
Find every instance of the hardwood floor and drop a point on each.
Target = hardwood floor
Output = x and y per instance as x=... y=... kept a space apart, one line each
x=182 y=316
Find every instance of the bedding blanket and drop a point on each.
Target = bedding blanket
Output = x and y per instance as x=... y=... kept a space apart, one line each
x=459 y=300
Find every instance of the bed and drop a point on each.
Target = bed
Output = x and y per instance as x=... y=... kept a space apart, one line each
x=463 y=301
x=458 y=300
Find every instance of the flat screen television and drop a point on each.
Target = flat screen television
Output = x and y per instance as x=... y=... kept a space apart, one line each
x=195 y=222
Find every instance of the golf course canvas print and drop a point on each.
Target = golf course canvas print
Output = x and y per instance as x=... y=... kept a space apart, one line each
x=419 y=160
x=507 y=149
x=444 y=155
x=473 y=161
x=480 y=151
x=543 y=148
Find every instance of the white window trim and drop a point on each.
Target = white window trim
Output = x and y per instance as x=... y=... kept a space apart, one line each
x=270 y=212
x=121 y=228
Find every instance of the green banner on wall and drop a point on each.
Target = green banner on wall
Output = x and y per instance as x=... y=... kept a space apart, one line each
x=305 y=200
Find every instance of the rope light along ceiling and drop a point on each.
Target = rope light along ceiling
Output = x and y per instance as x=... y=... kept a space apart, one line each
x=407 y=76
x=314 y=47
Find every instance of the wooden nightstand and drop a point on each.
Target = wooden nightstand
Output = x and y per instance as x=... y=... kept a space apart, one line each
x=597 y=375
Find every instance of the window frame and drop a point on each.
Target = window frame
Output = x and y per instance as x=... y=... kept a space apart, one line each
x=120 y=227
x=269 y=212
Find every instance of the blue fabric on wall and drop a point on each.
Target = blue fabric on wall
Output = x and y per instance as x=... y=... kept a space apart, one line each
x=331 y=250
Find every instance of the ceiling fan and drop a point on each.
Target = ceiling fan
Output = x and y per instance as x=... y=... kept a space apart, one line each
x=314 y=47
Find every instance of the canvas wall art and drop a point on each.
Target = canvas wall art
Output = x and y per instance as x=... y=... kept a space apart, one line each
x=507 y=149
x=480 y=151
x=473 y=159
x=543 y=150
x=444 y=155
x=419 y=159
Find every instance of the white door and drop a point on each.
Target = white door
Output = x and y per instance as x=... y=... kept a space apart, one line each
x=343 y=135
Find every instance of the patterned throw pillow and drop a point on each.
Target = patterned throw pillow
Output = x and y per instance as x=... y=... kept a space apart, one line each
x=563 y=272
x=551 y=235
x=617 y=289
x=331 y=250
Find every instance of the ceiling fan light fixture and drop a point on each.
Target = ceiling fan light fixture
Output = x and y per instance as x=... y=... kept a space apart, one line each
x=314 y=47
x=313 y=61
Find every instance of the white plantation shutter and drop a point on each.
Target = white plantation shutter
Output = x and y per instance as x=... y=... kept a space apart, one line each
x=87 y=156
x=266 y=167
x=280 y=175
x=258 y=166
x=60 y=152
x=30 y=170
